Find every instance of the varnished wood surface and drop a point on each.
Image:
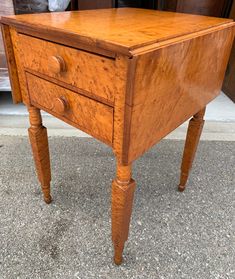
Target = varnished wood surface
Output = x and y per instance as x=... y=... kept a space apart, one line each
x=89 y=72
x=193 y=136
x=108 y=28
x=18 y=53
x=127 y=77
x=121 y=109
x=91 y=116
x=39 y=144
x=123 y=188
x=187 y=77
x=12 y=67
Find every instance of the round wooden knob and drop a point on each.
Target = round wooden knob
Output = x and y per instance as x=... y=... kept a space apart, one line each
x=60 y=105
x=57 y=64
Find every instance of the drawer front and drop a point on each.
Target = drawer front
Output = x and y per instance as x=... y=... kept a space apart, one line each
x=90 y=116
x=88 y=72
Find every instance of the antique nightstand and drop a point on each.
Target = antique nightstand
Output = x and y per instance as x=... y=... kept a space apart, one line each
x=128 y=77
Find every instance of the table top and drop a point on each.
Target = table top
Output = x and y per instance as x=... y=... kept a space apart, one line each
x=126 y=28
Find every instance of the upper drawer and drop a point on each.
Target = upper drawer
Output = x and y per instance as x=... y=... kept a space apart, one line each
x=86 y=71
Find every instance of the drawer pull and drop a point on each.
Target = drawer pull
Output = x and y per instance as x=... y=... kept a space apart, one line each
x=57 y=64
x=60 y=105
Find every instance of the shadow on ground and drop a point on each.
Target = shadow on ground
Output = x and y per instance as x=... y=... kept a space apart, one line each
x=173 y=235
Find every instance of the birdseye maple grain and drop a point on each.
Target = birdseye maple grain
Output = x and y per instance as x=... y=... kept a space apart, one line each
x=128 y=77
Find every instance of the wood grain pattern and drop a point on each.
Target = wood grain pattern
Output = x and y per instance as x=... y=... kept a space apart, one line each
x=108 y=28
x=12 y=67
x=39 y=144
x=173 y=83
x=20 y=66
x=92 y=117
x=123 y=188
x=193 y=136
x=56 y=65
x=92 y=73
x=121 y=109
x=142 y=74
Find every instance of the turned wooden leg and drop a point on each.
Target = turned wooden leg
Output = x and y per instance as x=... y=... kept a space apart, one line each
x=39 y=143
x=192 y=140
x=123 y=188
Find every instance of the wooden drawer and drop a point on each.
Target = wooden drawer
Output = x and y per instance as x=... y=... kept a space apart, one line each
x=90 y=116
x=88 y=72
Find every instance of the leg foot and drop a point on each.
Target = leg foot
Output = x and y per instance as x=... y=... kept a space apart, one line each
x=183 y=181
x=123 y=188
x=181 y=188
x=118 y=255
x=46 y=194
x=39 y=142
x=192 y=140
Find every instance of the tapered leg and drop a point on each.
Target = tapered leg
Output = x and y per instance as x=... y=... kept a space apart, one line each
x=39 y=143
x=123 y=188
x=192 y=140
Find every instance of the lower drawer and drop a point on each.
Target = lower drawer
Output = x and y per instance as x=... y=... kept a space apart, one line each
x=90 y=116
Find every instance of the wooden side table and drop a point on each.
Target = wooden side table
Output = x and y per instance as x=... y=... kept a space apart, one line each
x=128 y=77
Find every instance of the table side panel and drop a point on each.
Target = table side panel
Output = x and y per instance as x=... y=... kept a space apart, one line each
x=20 y=66
x=173 y=83
x=12 y=65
